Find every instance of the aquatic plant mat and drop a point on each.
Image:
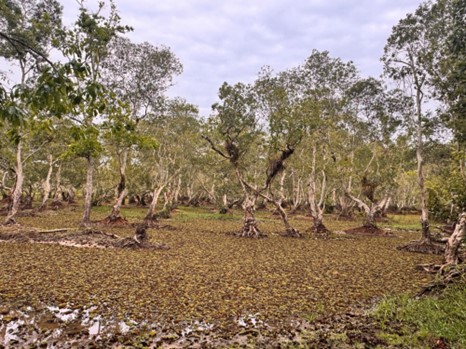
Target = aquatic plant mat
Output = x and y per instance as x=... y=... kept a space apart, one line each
x=208 y=289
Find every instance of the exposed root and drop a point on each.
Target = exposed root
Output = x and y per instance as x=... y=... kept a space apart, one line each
x=293 y=233
x=114 y=221
x=369 y=230
x=152 y=223
x=60 y=230
x=56 y=205
x=423 y=246
x=10 y=221
x=254 y=234
x=319 y=231
x=250 y=230
x=87 y=238
x=447 y=273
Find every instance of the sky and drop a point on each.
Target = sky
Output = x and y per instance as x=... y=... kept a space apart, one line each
x=230 y=40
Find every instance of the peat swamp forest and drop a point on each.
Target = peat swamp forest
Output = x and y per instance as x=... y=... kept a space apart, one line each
x=312 y=208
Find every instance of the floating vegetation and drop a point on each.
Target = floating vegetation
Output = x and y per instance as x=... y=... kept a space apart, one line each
x=207 y=287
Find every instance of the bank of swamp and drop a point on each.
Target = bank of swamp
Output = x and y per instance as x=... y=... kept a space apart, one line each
x=207 y=288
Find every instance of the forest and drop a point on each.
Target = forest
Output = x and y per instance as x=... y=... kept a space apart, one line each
x=312 y=208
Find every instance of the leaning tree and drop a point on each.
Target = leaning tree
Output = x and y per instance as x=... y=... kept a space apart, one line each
x=263 y=118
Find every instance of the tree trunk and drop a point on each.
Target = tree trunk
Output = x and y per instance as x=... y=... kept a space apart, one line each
x=151 y=215
x=121 y=190
x=297 y=198
x=86 y=221
x=16 y=197
x=58 y=197
x=426 y=236
x=455 y=240
x=316 y=208
x=224 y=208
x=250 y=229
x=46 y=186
x=289 y=230
x=176 y=194
x=371 y=211
x=370 y=219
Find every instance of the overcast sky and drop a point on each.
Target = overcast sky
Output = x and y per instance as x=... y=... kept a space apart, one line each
x=230 y=40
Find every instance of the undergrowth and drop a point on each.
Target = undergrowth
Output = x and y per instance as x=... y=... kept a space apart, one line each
x=427 y=321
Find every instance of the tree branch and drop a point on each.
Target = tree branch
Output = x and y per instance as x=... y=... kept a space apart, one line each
x=214 y=148
x=14 y=41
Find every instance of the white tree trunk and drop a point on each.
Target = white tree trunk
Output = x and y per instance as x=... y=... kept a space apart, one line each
x=16 y=197
x=58 y=197
x=46 y=186
x=316 y=207
x=455 y=240
x=150 y=216
x=89 y=189
x=121 y=190
x=297 y=197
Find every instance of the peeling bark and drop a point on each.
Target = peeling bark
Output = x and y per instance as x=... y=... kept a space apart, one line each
x=317 y=208
x=151 y=214
x=86 y=221
x=250 y=228
x=121 y=190
x=46 y=186
x=455 y=240
x=16 y=197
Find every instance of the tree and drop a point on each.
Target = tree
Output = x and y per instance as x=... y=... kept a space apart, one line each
x=404 y=60
x=261 y=117
x=235 y=124
x=85 y=45
x=176 y=130
x=27 y=29
x=378 y=113
x=139 y=74
x=322 y=82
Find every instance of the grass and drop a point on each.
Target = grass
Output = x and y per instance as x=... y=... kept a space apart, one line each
x=426 y=320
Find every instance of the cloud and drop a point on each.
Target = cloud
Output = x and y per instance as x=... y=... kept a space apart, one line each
x=231 y=40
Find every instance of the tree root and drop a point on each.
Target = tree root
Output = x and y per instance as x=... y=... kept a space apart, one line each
x=151 y=223
x=320 y=231
x=10 y=221
x=293 y=233
x=423 y=246
x=89 y=238
x=60 y=230
x=250 y=230
x=447 y=274
x=114 y=220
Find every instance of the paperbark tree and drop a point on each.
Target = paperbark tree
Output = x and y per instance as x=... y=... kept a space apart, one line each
x=455 y=240
x=404 y=57
x=140 y=75
x=240 y=116
x=20 y=42
x=85 y=46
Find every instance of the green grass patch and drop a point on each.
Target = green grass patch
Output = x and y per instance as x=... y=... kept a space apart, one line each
x=425 y=320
